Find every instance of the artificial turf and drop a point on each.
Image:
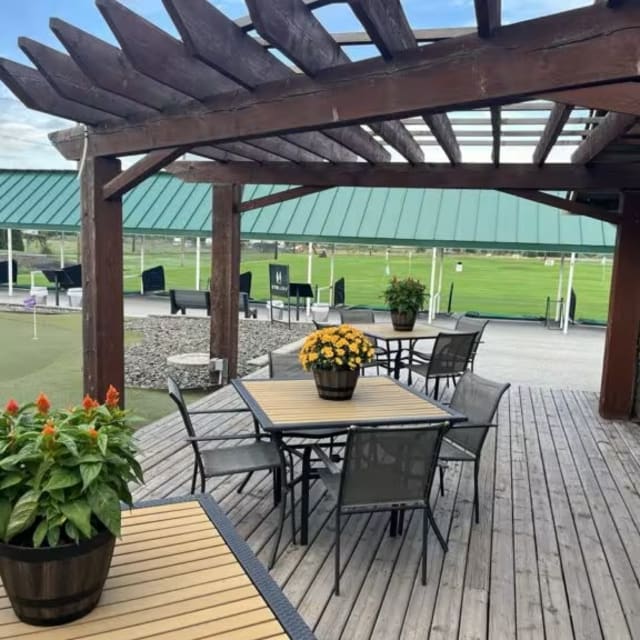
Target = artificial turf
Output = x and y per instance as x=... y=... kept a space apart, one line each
x=53 y=364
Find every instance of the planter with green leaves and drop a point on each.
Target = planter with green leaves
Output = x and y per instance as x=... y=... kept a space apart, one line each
x=405 y=298
x=63 y=476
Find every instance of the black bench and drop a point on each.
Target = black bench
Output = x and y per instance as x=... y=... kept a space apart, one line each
x=183 y=299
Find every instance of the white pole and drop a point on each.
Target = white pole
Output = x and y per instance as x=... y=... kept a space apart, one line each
x=62 y=250
x=559 y=294
x=387 y=268
x=309 y=275
x=10 y=259
x=432 y=285
x=567 y=307
x=409 y=262
x=198 y=264
x=141 y=263
x=440 y=280
x=35 y=322
x=331 y=274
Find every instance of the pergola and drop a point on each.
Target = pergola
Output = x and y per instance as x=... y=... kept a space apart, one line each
x=221 y=93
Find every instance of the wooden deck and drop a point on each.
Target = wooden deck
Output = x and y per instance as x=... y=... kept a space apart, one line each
x=556 y=553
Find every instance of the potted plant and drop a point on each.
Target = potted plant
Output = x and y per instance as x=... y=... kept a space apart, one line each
x=63 y=475
x=405 y=298
x=335 y=355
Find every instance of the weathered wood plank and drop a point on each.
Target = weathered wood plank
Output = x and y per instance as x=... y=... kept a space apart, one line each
x=553 y=128
x=610 y=128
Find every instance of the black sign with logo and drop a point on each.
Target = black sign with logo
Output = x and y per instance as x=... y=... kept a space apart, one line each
x=279 y=279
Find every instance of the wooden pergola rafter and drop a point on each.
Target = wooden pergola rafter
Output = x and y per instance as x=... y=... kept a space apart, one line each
x=221 y=92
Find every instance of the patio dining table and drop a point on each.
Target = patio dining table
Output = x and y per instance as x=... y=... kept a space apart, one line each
x=285 y=407
x=385 y=332
x=179 y=570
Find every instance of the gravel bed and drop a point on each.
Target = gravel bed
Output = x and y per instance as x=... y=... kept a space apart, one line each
x=146 y=359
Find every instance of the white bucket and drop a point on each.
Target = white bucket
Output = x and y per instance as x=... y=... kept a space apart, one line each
x=275 y=309
x=40 y=294
x=75 y=296
x=320 y=311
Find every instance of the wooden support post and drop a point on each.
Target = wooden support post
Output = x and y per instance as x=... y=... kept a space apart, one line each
x=102 y=303
x=225 y=274
x=619 y=375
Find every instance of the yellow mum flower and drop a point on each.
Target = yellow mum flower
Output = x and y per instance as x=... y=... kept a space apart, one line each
x=313 y=357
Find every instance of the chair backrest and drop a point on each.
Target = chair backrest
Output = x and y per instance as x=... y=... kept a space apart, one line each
x=286 y=366
x=153 y=279
x=72 y=276
x=357 y=316
x=389 y=465
x=478 y=399
x=339 y=297
x=469 y=324
x=245 y=283
x=176 y=395
x=451 y=353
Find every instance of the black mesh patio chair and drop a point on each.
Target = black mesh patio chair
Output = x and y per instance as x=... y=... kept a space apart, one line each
x=448 y=360
x=260 y=455
x=383 y=357
x=469 y=324
x=477 y=399
x=384 y=469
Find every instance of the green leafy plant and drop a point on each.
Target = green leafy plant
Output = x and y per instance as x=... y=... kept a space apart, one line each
x=406 y=295
x=63 y=473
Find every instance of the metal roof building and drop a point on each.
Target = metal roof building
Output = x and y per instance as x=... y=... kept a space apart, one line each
x=464 y=218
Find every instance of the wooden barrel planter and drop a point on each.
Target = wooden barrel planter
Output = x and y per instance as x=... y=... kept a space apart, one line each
x=403 y=321
x=333 y=384
x=55 y=585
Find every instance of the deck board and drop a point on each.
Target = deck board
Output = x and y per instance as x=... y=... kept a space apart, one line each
x=556 y=553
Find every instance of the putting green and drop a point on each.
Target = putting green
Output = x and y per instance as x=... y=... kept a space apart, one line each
x=53 y=364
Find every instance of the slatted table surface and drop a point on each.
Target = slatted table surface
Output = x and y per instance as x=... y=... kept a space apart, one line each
x=385 y=331
x=174 y=575
x=282 y=404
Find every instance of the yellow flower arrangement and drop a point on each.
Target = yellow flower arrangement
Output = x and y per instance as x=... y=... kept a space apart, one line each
x=342 y=347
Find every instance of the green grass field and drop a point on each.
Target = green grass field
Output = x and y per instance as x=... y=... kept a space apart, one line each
x=490 y=284
x=53 y=364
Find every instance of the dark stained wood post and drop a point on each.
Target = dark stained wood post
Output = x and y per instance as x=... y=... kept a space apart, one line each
x=225 y=274
x=102 y=294
x=619 y=376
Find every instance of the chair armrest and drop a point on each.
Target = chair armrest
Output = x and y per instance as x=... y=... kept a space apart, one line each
x=211 y=411
x=328 y=462
x=471 y=425
x=235 y=436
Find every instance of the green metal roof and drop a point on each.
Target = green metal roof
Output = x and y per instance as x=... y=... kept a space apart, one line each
x=164 y=205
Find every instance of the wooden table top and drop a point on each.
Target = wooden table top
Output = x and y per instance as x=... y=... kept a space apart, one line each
x=173 y=575
x=385 y=331
x=284 y=404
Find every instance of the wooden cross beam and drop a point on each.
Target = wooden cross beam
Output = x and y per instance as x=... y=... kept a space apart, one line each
x=611 y=127
x=523 y=59
x=280 y=196
x=552 y=130
x=553 y=177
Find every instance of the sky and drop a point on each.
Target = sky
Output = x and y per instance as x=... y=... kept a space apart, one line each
x=23 y=133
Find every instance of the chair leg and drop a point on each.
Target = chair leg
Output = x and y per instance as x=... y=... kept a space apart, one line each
x=243 y=484
x=336 y=580
x=203 y=481
x=293 y=513
x=436 y=389
x=194 y=478
x=393 y=523
x=424 y=546
x=277 y=485
x=476 y=497
x=441 y=469
x=400 y=521
x=436 y=530
x=283 y=513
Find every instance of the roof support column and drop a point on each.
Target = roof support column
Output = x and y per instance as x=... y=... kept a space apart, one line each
x=10 y=260
x=618 y=394
x=225 y=274
x=102 y=296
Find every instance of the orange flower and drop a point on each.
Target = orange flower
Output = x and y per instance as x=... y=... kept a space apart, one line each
x=113 y=397
x=43 y=404
x=12 y=407
x=49 y=428
x=89 y=403
x=92 y=432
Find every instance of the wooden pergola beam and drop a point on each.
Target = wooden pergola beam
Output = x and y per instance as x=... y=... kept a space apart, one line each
x=552 y=130
x=239 y=57
x=611 y=127
x=560 y=177
x=291 y=27
x=571 y=206
x=528 y=58
x=386 y=23
x=280 y=196
x=140 y=171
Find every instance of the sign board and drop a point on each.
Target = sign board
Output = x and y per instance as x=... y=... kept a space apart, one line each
x=279 y=279
x=458 y=267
